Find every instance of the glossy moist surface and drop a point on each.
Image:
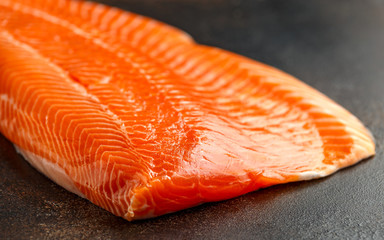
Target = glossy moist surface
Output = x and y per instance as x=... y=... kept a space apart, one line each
x=142 y=121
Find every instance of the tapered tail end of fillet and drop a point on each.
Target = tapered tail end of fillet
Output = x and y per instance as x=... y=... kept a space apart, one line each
x=364 y=147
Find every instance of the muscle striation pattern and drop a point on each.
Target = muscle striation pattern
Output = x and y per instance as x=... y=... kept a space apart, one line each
x=135 y=116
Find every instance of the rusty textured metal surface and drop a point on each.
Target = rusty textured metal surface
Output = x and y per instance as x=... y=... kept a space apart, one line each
x=335 y=46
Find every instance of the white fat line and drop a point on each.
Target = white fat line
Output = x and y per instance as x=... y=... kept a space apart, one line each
x=121 y=20
x=105 y=21
x=139 y=35
x=367 y=148
x=132 y=25
x=75 y=29
x=359 y=133
x=331 y=137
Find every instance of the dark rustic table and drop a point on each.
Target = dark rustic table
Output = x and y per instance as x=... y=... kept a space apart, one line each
x=335 y=46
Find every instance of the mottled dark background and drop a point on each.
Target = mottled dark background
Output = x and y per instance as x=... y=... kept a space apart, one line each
x=337 y=46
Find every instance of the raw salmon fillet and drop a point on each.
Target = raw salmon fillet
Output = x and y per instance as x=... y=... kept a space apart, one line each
x=133 y=115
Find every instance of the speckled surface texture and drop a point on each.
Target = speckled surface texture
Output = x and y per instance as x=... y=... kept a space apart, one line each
x=335 y=46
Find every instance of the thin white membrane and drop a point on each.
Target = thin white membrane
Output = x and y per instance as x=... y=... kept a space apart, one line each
x=51 y=170
x=309 y=175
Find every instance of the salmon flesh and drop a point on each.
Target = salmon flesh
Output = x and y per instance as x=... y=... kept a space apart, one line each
x=136 y=117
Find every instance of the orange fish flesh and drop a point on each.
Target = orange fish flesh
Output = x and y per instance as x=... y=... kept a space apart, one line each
x=133 y=115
